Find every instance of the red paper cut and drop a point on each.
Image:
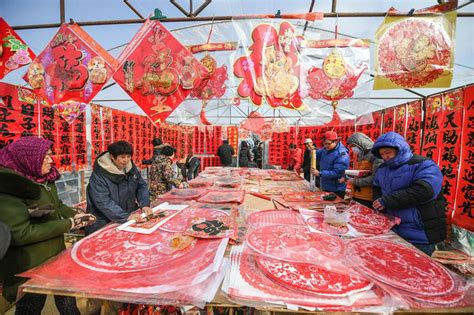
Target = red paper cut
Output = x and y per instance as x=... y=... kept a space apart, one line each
x=368 y=221
x=179 y=223
x=206 y=227
x=319 y=224
x=183 y=194
x=273 y=217
x=294 y=243
x=401 y=267
x=223 y=196
x=271 y=71
x=14 y=53
x=311 y=279
x=157 y=71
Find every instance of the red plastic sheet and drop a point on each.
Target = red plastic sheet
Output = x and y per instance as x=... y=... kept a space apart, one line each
x=14 y=53
x=183 y=194
x=215 y=196
x=131 y=267
x=157 y=71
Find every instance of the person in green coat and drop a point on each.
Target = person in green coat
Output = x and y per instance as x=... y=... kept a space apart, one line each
x=36 y=218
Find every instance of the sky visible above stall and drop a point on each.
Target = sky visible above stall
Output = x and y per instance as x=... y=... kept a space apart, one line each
x=221 y=111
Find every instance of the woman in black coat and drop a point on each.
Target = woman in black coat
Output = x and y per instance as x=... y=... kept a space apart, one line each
x=244 y=154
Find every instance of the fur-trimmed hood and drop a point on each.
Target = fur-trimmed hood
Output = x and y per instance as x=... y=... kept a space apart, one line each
x=14 y=184
x=104 y=165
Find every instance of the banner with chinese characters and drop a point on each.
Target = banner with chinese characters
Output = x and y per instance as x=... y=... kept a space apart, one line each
x=463 y=215
x=450 y=147
x=432 y=132
x=416 y=51
x=400 y=119
x=80 y=142
x=97 y=142
x=14 y=53
x=413 y=133
x=370 y=125
x=70 y=71
x=157 y=71
x=388 y=120
x=18 y=113
x=64 y=148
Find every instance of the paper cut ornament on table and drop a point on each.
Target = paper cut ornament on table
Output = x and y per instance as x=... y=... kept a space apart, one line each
x=157 y=71
x=368 y=221
x=311 y=279
x=14 y=53
x=72 y=68
x=180 y=222
x=271 y=71
x=400 y=267
x=416 y=51
x=319 y=224
x=294 y=243
x=205 y=227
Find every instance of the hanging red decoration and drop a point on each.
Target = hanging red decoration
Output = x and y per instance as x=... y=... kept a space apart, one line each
x=157 y=71
x=14 y=53
x=72 y=68
x=416 y=51
x=271 y=71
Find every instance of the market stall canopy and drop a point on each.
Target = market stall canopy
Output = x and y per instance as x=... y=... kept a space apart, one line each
x=225 y=110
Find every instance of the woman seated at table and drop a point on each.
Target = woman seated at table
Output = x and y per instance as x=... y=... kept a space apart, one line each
x=36 y=218
x=161 y=177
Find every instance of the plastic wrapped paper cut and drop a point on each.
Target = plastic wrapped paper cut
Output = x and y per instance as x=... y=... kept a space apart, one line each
x=311 y=279
x=294 y=243
x=122 y=266
x=180 y=222
x=416 y=51
x=400 y=267
x=368 y=221
x=214 y=196
x=273 y=217
x=183 y=194
x=204 y=227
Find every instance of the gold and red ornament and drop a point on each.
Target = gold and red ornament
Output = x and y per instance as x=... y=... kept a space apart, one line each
x=271 y=71
x=213 y=85
x=157 y=71
x=337 y=77
x=416 y=51
x=73 y=67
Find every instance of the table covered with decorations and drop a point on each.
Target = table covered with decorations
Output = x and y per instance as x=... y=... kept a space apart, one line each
x=256 y=238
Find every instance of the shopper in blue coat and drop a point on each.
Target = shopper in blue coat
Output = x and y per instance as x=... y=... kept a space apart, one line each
x=409 y=187
x=332 y=161
x=116 y=187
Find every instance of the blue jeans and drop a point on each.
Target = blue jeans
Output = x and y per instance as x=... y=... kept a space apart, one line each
x=428 y=249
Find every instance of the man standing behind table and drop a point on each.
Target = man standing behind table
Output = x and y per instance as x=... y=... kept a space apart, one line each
x=116 y=187
x=332 y=160
x=225 y=152
x=306 y=166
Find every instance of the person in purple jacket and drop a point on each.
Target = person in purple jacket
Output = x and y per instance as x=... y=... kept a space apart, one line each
x=408 y=186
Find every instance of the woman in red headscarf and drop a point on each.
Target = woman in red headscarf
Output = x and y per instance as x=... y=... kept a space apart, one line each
x=36 y=217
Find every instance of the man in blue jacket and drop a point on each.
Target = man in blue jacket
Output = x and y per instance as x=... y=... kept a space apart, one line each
x=332 y=160
x=408 y=186
x=116 y=187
